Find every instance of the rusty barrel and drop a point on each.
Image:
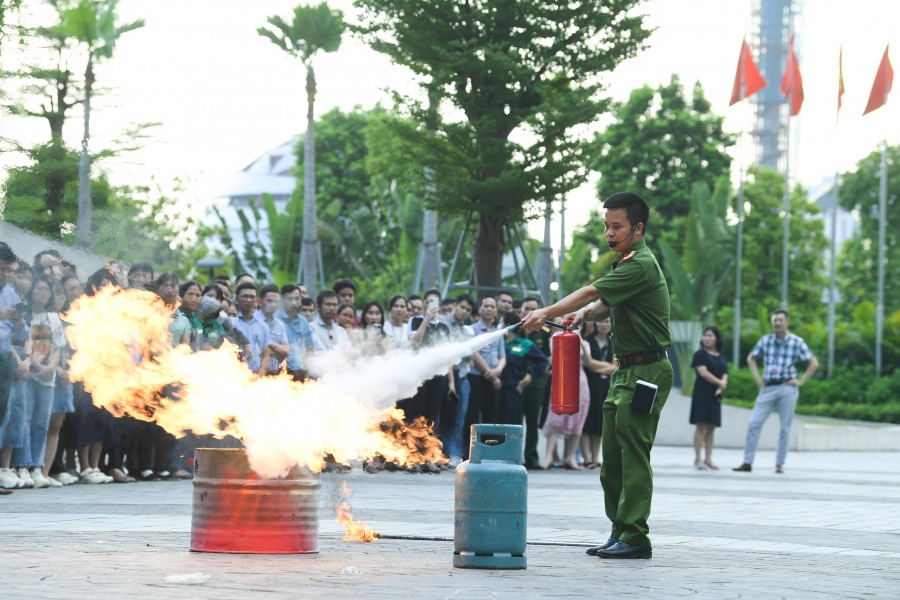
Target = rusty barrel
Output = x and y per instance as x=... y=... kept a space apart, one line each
x=234 y=510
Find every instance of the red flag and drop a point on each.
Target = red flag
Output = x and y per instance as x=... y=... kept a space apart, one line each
x=840 y=76
x=884 y=77
x=747 y=80
x=792 y=82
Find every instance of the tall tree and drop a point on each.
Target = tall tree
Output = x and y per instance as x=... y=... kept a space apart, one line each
x=660 y=144
x=311 y=30
x=94 y=24
x=763 y=225
x=524 y=76
x=48 y=91
x=858 y=266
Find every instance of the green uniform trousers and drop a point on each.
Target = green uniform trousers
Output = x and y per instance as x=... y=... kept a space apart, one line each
x=628 y=435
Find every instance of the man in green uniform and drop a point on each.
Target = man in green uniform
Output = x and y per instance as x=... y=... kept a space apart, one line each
x=635 y=296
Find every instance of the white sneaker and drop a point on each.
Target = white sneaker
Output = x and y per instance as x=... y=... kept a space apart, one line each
x=25 y=478
x=92 y=476
x=8 y=479
x=37 y=476
x=66 y=478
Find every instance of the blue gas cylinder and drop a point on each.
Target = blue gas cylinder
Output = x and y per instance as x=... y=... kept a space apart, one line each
x=491 y=501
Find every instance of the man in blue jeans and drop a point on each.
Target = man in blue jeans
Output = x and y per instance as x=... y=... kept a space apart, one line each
x=778 y=385
x=453 y=414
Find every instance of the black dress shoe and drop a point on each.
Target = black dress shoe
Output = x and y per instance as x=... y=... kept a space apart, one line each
x=593 y=550
x=623 y=550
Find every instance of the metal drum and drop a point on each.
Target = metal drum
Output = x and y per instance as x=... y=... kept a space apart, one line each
x=491 y=501
x=234 y=510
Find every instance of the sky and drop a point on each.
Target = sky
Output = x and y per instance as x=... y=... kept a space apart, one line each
x=225 y=95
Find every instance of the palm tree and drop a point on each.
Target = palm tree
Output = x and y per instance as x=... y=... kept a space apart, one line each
x=92 y=23
x=313 y=28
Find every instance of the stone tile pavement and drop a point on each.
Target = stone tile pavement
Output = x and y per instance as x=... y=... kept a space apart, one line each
x=828 y=528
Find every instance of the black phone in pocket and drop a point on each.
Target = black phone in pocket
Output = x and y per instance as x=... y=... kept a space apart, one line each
x=644 y=396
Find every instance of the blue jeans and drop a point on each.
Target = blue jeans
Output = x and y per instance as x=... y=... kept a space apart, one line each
x=38 y=406
x=452 y=428
x=785 y=398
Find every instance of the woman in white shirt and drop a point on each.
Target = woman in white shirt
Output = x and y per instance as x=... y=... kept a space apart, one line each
x=396 y=328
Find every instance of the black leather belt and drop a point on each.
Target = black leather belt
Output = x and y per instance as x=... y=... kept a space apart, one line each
x=639 y=359
x=776 y=381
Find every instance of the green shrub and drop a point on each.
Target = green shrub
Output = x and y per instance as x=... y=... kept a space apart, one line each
x=854 y=394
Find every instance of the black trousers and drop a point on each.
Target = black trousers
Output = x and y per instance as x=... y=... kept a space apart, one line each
x=428 y=399
x=484 y=403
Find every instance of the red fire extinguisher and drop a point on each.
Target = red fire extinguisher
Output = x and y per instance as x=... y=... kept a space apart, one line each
x=565 y=347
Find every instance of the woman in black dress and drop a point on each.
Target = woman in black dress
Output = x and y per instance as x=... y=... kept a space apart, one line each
x=598 y=371
x=706 y=399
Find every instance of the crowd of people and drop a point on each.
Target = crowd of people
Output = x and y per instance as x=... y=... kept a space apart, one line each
x=52 y=434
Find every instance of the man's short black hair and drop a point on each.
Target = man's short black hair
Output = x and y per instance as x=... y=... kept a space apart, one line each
x=466 y=298
x=307 y=301
x=6 y=253
x=507 y=292
x=269 y=288
x=414 y=297
x=141 y=266
x=289 y=288
x=49 y=252
x=516 y=304
x=780 y=311
x=635 y=206
x=343 y=283
x=447 y=301
x=320 y=299
x=532 y=299
x=245 y=286
x=432 y=292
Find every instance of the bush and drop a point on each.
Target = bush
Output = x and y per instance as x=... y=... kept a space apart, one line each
x=854 y=394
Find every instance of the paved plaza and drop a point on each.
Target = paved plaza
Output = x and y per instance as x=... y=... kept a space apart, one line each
x=828 y=528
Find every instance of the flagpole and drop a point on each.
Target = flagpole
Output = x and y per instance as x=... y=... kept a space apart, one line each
x=882 y=213
x=787 y=212
x=832 y=293
x=740 y=249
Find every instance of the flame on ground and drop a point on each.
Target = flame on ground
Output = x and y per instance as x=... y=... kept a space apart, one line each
x=359 y=532
x=124 y=357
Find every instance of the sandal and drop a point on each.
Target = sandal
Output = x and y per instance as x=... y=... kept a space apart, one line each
x=119 y=476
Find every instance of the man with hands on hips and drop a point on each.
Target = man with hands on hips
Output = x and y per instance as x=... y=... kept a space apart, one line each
x=634 y=295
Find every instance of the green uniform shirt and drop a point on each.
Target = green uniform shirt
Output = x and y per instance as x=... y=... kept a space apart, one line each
x=638 y=297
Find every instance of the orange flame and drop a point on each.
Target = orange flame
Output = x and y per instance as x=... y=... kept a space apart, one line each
x=353 y=531
x=125 y=359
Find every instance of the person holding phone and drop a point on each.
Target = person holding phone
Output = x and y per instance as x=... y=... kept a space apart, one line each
x=634 y=295
x=428 y=331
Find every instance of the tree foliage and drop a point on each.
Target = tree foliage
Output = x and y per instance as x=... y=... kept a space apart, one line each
x=370 y=223
x=660 y=144
x=696 y=277
x=858 y=265
x=524 y=78
x=761 y=264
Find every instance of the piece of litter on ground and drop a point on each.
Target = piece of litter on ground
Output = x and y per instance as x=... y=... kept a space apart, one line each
x=349 y=571
x=187 y=578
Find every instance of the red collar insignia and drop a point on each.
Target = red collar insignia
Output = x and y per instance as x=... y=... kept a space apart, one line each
x=629 y=255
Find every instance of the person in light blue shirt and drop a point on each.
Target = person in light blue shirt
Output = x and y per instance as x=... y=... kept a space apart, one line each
x=301 y=338
x=484 y=377
x=251 y=325
x=278 y=348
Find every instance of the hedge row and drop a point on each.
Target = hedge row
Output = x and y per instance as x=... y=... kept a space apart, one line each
x=854 y=394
